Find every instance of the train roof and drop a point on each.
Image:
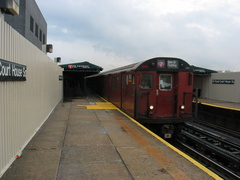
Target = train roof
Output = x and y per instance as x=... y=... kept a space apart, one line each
x=126 y=68
x=154 y=64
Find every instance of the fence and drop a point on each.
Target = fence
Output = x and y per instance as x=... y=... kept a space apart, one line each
x=24 y=105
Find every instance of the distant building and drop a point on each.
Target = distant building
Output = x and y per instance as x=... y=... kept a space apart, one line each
x=30 y=23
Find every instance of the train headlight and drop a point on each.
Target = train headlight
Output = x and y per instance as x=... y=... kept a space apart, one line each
x=182 y=107
x=151 y=107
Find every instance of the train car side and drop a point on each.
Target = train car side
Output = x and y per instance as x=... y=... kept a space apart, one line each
x=157 y=90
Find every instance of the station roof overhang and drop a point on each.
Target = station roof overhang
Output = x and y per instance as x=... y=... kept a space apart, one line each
x=84 y=67
x=199 y=71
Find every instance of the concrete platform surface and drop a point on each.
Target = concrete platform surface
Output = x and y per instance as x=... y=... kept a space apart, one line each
x=85 y=139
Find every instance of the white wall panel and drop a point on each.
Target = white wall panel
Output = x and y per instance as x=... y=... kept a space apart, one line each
x=24 y=105
x=222 y=92
x=225 y=92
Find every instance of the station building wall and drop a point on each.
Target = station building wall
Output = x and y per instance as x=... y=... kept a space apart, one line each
x=219 y=86
x=30 y=23
x=24 y=105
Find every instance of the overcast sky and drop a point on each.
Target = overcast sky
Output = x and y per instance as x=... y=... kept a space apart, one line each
x=112 y=33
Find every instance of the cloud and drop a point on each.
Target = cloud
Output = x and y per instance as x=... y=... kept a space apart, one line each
x=113 y=33
x=208 y=31
x=79 y=51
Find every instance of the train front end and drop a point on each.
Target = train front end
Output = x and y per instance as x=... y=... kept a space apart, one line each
x=164 y=93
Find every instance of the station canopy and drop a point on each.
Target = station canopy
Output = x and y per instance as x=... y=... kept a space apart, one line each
x=81 y=67
x=199 y=71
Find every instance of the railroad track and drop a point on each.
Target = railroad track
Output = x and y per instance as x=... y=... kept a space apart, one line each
x=219 y=151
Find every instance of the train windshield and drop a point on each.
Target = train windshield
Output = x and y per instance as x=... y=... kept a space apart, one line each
x=146 y=81
x=165 y=82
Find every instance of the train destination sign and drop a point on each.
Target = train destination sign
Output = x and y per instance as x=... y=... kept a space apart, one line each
x=172 y=64
x=10 y=71
x=223 y=81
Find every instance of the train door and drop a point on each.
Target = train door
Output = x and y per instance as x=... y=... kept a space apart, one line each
x=128 y=92
x=146 y=95
x=165 y=95
x=124 y=90
x=115 y=89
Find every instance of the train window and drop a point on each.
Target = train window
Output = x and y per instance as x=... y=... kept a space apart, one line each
x=146 y=81
x=126 y=79
x=130 y=78
x=165 y=82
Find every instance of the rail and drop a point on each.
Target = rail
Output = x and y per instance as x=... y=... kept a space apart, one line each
x=220 y=151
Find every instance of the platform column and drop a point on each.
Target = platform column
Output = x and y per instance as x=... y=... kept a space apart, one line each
x=85 y=85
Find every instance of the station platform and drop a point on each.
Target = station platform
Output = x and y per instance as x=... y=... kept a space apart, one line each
x=220 y=104
x=89 y=138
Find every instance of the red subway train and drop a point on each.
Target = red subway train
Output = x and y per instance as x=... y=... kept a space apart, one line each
x=154 y=91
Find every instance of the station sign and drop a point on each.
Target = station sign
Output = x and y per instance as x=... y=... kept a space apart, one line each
x=76 y=66
x=10 y=71
x=223 y=81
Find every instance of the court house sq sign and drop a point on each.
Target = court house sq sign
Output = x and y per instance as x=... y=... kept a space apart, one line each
x=10 y=71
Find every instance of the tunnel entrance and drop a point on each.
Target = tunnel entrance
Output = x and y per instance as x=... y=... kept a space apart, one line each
x=74 y=83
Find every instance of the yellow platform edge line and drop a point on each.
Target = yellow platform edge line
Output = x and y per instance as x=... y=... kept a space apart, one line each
x=218 y=106
x=99 y=105
x=199 y=165
x=103 y=103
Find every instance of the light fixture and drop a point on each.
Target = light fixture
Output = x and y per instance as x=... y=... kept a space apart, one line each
x=182 y=107
x=151 y=107
x=49 y=48
x=57 y=59
x=10 y=6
